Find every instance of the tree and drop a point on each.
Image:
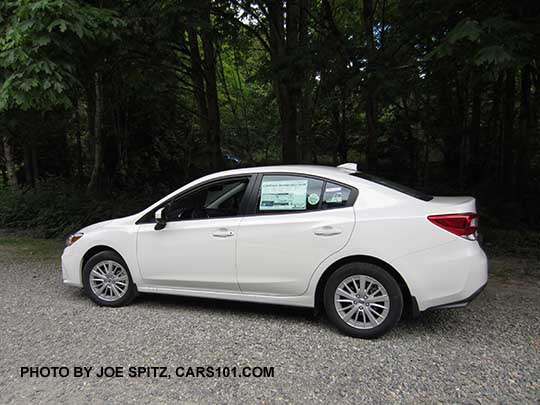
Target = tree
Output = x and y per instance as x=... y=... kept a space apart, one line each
x=284 y=35
x=43 y=50
x=138 y=97
x=204 y=77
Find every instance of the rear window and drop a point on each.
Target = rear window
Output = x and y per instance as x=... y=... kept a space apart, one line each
x=394 y=186
x=335 y=196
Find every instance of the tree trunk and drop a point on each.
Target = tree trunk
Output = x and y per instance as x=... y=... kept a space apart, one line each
x=232 y=105
x=214 y=130
x=292 y=80
x=526 y=126
x=244 y=105
x=78 y=143
x=27 y=156
x=197 y=77
x=306 y=109
x=370 y=101
x=371 y=151
x=96 y=183
x=475 y=163
x=35 y=167
x=492 y=151
x=10 y=163
x=427 y=150
x=288 y=124
x=461 y=124
x=475 y=120
x=508 y=134
x=282 y=43
x=338 y=112
x=306 y=99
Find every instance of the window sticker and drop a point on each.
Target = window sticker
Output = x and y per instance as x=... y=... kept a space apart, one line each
x=313 y=199
x=283 y=195
x=334 y=195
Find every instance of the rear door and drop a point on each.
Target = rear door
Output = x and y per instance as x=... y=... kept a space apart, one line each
x=296 y=222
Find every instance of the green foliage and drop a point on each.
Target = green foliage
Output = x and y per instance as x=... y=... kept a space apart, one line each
x=493 y=55
x=466 y=29
x=55 y=208
x=31 y=248
x=245 y=98
x=42 y=45
x=454 y=86
x=497 y=42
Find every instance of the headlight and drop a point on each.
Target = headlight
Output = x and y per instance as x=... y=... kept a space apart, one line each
x=74 y=237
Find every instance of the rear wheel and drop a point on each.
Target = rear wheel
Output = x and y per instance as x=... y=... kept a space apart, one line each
x=363 y=300
x=107 y=281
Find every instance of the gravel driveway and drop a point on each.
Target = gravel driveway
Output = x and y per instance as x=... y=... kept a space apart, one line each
x=488 y=352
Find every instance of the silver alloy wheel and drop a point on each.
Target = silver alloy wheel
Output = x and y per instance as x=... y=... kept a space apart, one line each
x=362 y=302
x=109 y=280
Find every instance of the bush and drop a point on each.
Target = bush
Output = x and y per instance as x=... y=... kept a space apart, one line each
x=55 y=208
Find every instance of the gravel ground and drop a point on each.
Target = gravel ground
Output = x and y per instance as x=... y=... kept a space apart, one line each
x=488 y=352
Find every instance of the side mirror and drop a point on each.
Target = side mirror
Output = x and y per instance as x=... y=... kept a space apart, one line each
x=161 y=218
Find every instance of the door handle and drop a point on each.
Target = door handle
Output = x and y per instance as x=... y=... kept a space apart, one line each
x=223 y=233
x=327 y=231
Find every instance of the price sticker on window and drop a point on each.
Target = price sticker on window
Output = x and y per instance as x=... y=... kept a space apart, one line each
x=283 y=195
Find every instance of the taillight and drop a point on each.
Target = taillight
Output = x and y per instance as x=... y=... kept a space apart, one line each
x=464 y=225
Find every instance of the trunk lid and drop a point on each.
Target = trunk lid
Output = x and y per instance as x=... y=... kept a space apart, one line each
x=451 y=205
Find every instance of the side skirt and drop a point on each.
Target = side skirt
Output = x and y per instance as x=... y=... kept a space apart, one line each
x=297 y=301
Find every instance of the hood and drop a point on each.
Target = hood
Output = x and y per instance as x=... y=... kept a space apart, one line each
x=116 y=221
x=96 y=226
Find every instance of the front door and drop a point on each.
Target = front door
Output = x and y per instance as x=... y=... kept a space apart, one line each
x=196 y=249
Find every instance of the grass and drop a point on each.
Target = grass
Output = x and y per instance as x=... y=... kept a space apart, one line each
x=522 y=243
x=29 y=247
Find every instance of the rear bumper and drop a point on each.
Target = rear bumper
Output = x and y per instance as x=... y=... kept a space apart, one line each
x=459 y=304
x=447 y=276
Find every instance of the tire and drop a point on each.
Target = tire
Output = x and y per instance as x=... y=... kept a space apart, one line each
x=111 y=268
x=367 y=318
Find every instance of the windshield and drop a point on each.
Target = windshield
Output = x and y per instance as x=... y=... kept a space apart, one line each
x=394 y=186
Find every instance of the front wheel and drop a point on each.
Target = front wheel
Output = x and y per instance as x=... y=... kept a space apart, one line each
x=363 y=300
x=107 y=281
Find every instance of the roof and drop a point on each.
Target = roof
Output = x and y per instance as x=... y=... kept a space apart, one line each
x=315 y=170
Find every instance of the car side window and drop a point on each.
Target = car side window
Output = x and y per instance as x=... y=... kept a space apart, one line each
x=216 y=200
x=335 y=196
x=286 y=193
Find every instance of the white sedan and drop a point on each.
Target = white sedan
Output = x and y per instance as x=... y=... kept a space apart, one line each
x=363 y=249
